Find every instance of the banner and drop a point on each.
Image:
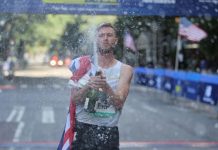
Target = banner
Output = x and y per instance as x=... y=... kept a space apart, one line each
x=209 y=93
x=169 y=81
x=209 y=89
x=193 y=86
x=113 y=7
x=191 y=90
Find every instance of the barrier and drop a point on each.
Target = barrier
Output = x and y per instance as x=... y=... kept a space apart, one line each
x=194 y=86
x=162 y=8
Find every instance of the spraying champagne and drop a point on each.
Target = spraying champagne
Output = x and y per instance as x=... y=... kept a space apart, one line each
x=92 y=97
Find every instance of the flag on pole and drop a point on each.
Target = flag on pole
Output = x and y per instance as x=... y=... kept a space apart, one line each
x=129 y=42
x=191 y=31
x=79 y=68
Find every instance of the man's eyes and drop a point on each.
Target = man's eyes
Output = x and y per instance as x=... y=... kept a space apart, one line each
x=108 y=35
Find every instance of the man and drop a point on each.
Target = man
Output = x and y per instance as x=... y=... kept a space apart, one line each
x=97 y=129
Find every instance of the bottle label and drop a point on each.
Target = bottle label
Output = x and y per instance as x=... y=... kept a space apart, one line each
x=86 y=103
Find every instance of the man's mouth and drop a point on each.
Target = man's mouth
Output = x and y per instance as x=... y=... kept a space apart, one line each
x=104 y=50
x=105 y=44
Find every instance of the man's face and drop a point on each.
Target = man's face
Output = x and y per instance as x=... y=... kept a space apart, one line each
x=106 y=39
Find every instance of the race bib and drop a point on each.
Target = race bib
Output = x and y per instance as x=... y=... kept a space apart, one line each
x=104 y=109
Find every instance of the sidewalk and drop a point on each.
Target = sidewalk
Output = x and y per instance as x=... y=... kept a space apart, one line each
x=211 y=110
x=6 y=85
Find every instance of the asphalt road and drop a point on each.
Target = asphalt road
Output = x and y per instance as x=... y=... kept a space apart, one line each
x=34 y=106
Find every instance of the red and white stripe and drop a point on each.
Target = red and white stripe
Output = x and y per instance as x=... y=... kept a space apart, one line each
x=69 y=127
x=192 y=33
x=79 y=70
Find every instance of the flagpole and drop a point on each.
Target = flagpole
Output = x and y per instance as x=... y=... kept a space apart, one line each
x=178 y=45
x=178 y=48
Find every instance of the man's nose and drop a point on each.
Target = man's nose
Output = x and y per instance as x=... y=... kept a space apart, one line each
x=105 y=37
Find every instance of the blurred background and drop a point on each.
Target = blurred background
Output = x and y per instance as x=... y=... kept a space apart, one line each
x=28 y=38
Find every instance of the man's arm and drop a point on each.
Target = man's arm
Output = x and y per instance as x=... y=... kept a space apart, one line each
x=119 y=96
x=78 y=94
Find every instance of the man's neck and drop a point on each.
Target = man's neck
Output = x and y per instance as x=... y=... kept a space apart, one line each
x=106 y=60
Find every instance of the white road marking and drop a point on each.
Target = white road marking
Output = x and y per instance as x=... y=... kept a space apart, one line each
x=48 y=115
x=11 y=116
x=149 y=108
x=18 y=132
x=17 y=112
x=216 y=125
x=23 y=86
x=20 y=114
x=56 y=86
x=17 y=115
x=40 y=86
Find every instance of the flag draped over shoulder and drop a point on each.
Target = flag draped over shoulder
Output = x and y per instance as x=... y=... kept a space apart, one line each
x=191 y=31
x=79 y=68
x=128 y=41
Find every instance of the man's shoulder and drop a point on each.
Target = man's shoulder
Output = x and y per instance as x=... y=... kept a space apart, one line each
x=80 y=62
x=127 y=68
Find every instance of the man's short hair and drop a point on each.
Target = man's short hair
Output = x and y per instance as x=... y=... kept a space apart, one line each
x=106 y=24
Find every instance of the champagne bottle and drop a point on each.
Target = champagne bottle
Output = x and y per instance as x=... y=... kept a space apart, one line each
x=92 y=97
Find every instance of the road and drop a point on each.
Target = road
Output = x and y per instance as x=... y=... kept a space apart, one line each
x=34 y=106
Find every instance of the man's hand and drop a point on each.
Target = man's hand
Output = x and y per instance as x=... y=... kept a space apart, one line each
x=98 y=83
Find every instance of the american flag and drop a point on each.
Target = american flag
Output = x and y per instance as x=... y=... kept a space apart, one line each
x=128 y=41
x=191 y=31
x=79 y=68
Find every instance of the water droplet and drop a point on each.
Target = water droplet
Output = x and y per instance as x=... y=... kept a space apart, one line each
x=200 y=129
x=216 y=125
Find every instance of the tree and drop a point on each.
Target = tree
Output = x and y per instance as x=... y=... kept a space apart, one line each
x=208 y=46
x=72 y=38
x=166 y=30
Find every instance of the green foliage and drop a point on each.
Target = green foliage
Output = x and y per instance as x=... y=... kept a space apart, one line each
x=51 y=29
x=208 y=49
x=40 y=32
x=34 y=30
x=209 y=45
x=137 y=24
x=72 y=36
